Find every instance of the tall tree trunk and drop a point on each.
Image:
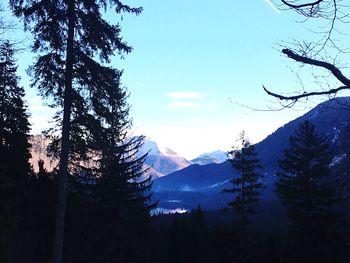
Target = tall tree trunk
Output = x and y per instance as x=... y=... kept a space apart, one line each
x=64 y=155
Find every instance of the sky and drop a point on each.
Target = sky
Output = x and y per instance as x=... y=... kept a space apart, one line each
x=195 y=65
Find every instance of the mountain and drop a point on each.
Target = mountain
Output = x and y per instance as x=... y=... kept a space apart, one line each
x=195 y=178
x=158 y=162
x=212 y=157
x=161 y=162
x=38 y=152
x=331 y=118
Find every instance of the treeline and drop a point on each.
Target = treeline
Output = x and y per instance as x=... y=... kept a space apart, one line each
x=95 y=230
x=199 y=236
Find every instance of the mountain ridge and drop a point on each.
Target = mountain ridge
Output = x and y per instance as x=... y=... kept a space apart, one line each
x=331 y=118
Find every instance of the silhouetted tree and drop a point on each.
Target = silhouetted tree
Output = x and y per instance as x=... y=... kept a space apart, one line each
x=198 y=238
x=247 y=184
x=177 y=240
x=122 y=190
x=69 y=35
x=188 y=239
x=112 y=195
x=225 y=244
x=40 y=217
x=14 y=150
x=309 y=194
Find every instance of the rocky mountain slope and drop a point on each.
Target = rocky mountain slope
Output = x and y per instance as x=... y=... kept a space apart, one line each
x=161 y=162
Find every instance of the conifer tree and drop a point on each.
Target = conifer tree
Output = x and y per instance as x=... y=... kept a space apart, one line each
x=68 y=36
x=247 y=185
x=14 y=146
x=122 y=190
x=307 y=191
x=122 y=185
x=122 y=198
x=114 y=196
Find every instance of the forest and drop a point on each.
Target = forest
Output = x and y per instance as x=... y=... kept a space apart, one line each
x=97 y=204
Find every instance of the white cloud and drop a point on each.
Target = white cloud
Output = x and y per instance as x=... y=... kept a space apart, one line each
x=184 y=99
x=186 y=95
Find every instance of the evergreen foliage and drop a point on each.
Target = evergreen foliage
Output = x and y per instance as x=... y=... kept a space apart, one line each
x=14 y=150
x=188 y=238
x=112 y=192
x=69 y=36
x=39 y=218
x=14 y=125
x=247 y=185
x=121 y=183
x=309 y=195
x=123 y=186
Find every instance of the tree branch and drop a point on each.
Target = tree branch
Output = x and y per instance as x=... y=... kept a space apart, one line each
x=311 y=4
x=305 y=94
x=315 y=9
x=335 y=71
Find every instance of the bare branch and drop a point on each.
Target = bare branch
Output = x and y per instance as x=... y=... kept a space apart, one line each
x=316 y=53
x=311 y=4
x=303 y=59
x=305 y=94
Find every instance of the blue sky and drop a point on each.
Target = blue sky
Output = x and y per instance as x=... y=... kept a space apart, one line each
x=192 y=62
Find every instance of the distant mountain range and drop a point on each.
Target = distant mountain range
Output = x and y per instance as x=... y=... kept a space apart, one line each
x=160 y=162
x=166 y=161
x=204 y=183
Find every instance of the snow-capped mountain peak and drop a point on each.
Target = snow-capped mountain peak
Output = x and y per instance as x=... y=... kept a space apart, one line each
x=163 y=160
x=218 y=156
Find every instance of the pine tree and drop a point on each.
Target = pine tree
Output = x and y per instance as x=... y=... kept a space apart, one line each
x=122 y=199
x=122 y=190
x=69 y=35
x=111 y=193
x=14 y=147
x=247 y=185
x=122 y=185
x=14 y=125
x=307 y=191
